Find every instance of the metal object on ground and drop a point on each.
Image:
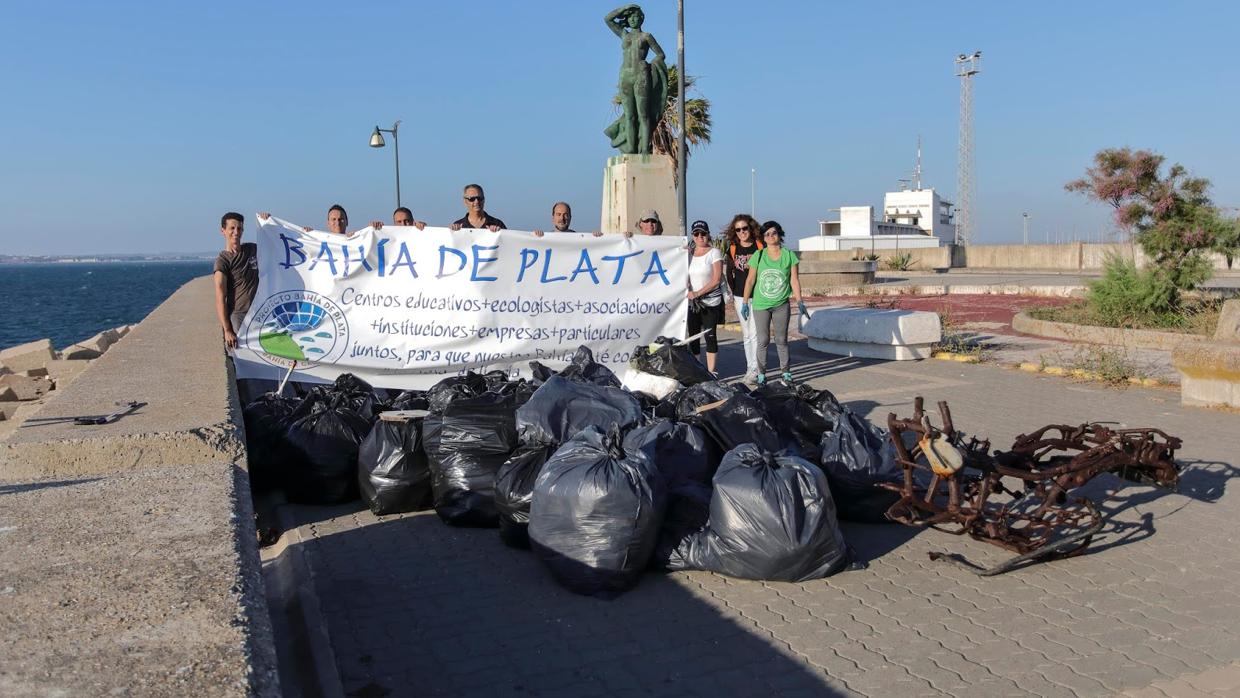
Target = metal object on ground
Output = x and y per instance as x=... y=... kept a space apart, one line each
x=1035 y=516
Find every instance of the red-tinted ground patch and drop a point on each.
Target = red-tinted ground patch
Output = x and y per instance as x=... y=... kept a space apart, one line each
x=958 y=309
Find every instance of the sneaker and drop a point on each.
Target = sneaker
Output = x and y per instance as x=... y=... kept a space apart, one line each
x=750 y=380
x=760 y=379
x=787 y=376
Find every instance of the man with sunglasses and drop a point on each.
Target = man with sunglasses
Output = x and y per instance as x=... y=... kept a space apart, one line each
x=476 y=216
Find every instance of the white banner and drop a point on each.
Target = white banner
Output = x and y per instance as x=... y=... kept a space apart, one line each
x=403 y=308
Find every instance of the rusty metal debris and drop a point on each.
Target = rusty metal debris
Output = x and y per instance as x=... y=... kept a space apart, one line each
x=1020 y=499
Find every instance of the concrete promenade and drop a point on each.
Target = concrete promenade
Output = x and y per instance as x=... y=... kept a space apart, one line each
x=414 y=607
x=128 y=559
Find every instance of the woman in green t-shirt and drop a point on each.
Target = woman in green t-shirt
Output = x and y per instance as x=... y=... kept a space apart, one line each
x=772 y=280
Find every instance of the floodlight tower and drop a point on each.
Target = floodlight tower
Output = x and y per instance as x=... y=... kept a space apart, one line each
x=966 y=68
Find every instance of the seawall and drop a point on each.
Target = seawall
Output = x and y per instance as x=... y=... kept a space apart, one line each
x=128 y=561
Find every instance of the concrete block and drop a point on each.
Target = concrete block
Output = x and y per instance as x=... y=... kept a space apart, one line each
x=36 y=372
x=1209 y=373
x=8 y=396
x=13 y=420
x=63 y=371
x=633 y=183
x=24 y=357
x=25 y=387
x=1228 y=329
x=893 y=335
x=91 y=348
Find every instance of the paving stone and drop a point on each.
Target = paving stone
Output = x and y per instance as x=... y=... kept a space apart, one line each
x=1130 y=611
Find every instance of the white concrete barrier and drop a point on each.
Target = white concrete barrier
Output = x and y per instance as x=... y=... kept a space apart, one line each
x=873 y=333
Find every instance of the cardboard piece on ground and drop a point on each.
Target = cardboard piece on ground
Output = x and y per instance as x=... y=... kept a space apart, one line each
x=709 y=406
x=402 y=415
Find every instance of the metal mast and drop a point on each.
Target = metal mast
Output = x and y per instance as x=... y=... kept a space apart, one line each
x=966 y=68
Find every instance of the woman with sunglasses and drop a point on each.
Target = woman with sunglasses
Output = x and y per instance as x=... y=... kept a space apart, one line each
x=772 y=279
x=705 y=292
x=742 y=240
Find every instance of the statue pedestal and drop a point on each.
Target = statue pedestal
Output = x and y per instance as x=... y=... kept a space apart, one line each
x=634 y=183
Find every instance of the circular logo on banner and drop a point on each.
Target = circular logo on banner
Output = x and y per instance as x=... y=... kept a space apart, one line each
x=301 y=326
x=772 y=282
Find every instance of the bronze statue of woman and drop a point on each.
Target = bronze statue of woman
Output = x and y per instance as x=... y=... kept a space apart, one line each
x=643 y=86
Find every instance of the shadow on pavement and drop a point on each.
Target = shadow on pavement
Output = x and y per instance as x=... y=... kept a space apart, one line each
x=414 y=606
x=33 y=486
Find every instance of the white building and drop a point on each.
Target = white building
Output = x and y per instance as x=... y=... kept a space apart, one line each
x=911 y=218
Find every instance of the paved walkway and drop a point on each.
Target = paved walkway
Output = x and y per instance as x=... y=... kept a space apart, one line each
x=414 y=607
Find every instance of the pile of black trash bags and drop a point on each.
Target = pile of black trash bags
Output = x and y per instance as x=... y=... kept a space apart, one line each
x=599 y=482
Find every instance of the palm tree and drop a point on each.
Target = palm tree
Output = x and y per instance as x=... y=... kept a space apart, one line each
x=697 y=118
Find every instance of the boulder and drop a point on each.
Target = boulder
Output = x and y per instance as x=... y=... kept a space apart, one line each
x=1228 y=329
x=24 y=357
x=91 y=348
x=25 y=387
x=873 y=333
x=63 y=371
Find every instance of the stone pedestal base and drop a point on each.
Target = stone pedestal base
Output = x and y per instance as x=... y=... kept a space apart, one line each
x=634 y=183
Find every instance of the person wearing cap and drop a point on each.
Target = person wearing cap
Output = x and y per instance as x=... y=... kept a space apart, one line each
x=649 y=223
x=705 y=292
x=772 y=281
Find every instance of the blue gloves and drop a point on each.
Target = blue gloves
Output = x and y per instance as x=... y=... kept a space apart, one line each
x=745 y=311
x=801 y=308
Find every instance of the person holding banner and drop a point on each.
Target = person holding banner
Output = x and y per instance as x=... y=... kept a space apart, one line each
x=476 y=216
x=772 y=280
x=561 y=218
x=705 y=292
x=649 y=223
x=236 y=277
x=401 y=216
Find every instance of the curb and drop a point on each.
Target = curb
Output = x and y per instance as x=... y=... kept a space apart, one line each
x=1115 y=336
x=1088 y=375
x=308 y=667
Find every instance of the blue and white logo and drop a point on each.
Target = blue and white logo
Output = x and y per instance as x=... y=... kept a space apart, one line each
x=301 y=326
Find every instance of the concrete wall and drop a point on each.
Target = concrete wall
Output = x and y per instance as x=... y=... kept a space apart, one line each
x=924 y=259
x=1072 y=256
x=129 y=550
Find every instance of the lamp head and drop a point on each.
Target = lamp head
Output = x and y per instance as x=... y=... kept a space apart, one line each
x=376 y=139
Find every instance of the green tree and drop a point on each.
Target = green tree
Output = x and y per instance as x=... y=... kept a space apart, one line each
x=1227 y=241
x=697 y=118
x=1170 y=216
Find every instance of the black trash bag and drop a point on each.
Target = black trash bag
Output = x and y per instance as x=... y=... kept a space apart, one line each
x=410 y=400
x=323 y=448
x=730 y=416
x=466 y=442
x=554 y=414
x=581 y=369
x=359 y=396
x=392 y=471
x=671 y=361
x=797 y=413
x=687 y=459
x=514 y=491
x=857 y=457
x=771 y=518
x=470 y=384
x=562 y=407
x=596 y=513
x=266 y=420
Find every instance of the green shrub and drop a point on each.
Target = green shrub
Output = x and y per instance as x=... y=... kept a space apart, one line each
x=900 y=262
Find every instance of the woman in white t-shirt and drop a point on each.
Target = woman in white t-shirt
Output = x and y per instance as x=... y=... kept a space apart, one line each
x=705 y=292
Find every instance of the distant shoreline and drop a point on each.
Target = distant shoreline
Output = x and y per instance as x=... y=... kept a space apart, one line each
x=103 y=259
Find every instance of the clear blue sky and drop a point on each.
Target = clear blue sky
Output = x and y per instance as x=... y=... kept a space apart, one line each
x=131 y=126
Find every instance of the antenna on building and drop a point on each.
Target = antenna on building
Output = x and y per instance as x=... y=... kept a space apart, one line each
x=966 y=68
x=917 y=169
x=903 y=184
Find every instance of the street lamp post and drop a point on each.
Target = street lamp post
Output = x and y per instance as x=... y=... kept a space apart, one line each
x=681 y=147
x=376 y=141
x=1025 y=216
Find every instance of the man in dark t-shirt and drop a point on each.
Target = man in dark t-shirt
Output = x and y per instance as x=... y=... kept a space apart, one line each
x=477 y=217
x=236 y=277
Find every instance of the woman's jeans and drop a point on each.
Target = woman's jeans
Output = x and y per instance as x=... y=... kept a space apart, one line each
x=763 y=319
